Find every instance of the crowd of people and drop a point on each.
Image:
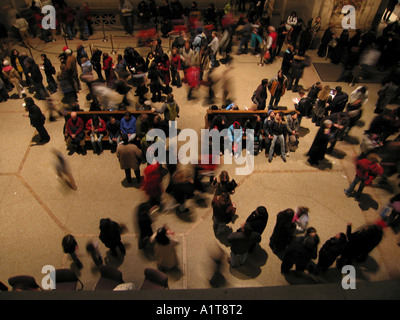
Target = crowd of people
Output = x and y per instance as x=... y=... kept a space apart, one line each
x=192 y=60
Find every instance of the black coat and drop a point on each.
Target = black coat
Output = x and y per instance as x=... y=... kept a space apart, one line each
x=258 y=222
x=36 y=116
x=363 y=241
x=241 y=242
x=283 y=230
x=319 y=145
x=110 y=233
x=300 y=253
x=330 y=251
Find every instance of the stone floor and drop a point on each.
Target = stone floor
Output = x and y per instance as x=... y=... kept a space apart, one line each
x=37 y=210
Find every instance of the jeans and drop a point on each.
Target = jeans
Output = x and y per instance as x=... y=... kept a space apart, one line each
x=272 y=147
x=238 y=259
x=97 y=143
x=219 y=227
x=112 y=142
x=350 y=189
x=274 y=100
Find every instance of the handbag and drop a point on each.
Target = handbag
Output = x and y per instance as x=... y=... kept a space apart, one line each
x=267 y=55
x=231 y=185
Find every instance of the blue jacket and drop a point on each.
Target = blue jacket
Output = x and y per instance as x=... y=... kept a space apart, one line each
x=128 y=127
x=235 y=135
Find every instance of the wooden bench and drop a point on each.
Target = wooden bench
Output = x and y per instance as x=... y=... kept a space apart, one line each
x=86 y=115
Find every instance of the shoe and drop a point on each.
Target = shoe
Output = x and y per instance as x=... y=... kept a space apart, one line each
x=346 y=193
x=287 y=154
x=269 y=159
x=284 y=159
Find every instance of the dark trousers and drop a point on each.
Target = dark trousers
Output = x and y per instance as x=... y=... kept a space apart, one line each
x=51 y=82
x=176 y=79
x=274 y=100
x=129 y=176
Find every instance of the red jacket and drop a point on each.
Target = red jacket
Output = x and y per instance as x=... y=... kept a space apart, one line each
x=176 y=62
x=368 y=170
x=107 y=64
x=101 y=128
x=152 y=180
x=77 y=128
x=274 y=37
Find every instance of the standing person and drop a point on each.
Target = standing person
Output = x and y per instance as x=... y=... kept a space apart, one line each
x=22 y=25
x=297 y=70
x=320 y=110
x=301 y=219
x=282 y=32
x=277 y=130
x=170 y=109
x=110 y=235
x=88 y=18
x=108 y=70
x=330 y=251
x=152 y=183
x=225 y=184
x=320 y=143
x=277 y=88
x=63 y=169
x=326 y=38
x=283 y=232
x=12 y=76
x=70 y=246
x=176 y=66
x=367 y=170
x=96 y=128
x=241 y=242
x=37 y=79
x=165 y=248
x=96 y=62
x=258 y=219
x=287 y=59
x=272 y=43
x=92 y=249
x=37 y=119
x=126 y=8
x=301 y=251
x=129 y=157
x=182 y=188
x=49 y=71
x=165 y=72
x=223 y=212
x=144 y=223
x=72 y=70
x=260 y=96
x=361 y=243
x=214 y=46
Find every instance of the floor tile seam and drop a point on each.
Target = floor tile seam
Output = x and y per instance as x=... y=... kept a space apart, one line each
x=43 y=205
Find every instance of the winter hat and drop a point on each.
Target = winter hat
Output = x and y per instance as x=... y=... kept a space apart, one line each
x=68 y=51
x=65 y=48
x=6 y=63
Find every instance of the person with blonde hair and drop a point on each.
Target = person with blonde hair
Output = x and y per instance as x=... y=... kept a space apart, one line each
x=320 y=110
x=13 y=76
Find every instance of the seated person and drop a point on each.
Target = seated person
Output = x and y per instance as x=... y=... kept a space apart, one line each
x=96 y=129
x=293 y=125
x=255 y=124
x=235 y=135
x=142 y=125
x=75 y=133
x=267 y=132
x=114 y=132
x=128 y=126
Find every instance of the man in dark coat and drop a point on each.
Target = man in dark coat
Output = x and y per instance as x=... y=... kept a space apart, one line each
x=283 y=231
x=361 y=243
x=301 y=251
x=304 y=106
x=37 y=119
x=339 y=101
x=144 y=222
x=241 y=242
x=296 y=71
x=330 y=251
x=320 y=143
x=326 y=38
x=258 y=219
x=110 y=235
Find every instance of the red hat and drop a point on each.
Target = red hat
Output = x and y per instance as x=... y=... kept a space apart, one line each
x=65 y=48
